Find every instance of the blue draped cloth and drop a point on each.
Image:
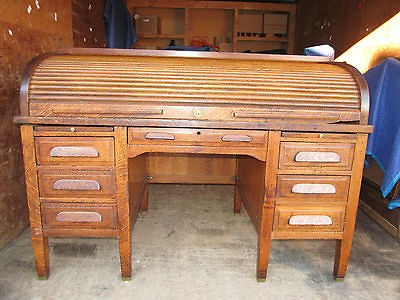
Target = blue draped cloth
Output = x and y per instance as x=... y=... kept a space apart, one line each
x=384 y=143
x=121 y=31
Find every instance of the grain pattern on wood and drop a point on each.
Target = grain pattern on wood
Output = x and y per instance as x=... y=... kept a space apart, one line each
x=306 y=218
x=306 y=188
x=265 y=226
x=260 y=87
x=343 y=246
x=124 y=222
x=67 y=183
x=39 y=241
x=336 y=156
x=75 y=151
x=79 y=216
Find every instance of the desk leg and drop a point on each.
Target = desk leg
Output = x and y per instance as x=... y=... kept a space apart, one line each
x=41 y=252
x=124 y=222
x=145 y=199
x=39 y=242
x=265 y=224
x=264 y=242
x=342 y=256
x=237 y=206
x=343 y=246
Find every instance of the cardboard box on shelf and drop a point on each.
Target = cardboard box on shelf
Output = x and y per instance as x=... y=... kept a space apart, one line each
x=250 y=23
x=275 y=23
x=146 y=24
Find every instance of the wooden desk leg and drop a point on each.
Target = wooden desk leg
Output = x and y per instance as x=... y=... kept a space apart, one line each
x=343 y=246
x=237 y=206
x=124 y=222
x=342 y=256
x=41 y=252
x=264 y=242
x=265 y=225
x=144 y=206
x=39 y=242
x=125 y=254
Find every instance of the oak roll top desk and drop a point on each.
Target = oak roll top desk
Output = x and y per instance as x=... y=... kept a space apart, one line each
x=90 y=118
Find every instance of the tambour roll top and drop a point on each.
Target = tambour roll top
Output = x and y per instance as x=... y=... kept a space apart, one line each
x=169 y=85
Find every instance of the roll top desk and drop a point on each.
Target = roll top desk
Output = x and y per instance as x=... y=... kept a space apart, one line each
x=90 y=118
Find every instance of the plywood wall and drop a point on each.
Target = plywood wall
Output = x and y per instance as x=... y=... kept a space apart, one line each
x=27 y=28
x=88 y=23
x=340 y=23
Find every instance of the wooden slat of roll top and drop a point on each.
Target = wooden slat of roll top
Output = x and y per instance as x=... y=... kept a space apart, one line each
x=187 y=89
x=195 y=71
x=265 y=85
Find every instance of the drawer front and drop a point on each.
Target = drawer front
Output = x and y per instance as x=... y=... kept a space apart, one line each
x=309 y=218
x=75 y=151
x=312 y=188
x=79 y=216
x=333 y=156
x=186 y=136
x=76 y=184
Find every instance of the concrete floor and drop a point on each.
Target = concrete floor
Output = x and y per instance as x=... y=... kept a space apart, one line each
x=191 y=246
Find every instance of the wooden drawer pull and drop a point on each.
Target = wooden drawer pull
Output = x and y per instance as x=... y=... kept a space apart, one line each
x=66 y=151
x=78 y=216
x=304 y=220
x=160 y=136
x=313 y=188
x=236 y=138
x=76 y=185
x=314 y=156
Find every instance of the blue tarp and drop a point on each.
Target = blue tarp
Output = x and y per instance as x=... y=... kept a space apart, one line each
x=384 y=143
x=121 y=31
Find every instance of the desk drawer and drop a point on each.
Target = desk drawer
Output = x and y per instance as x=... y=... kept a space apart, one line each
x=185 y=136
x=309 y=218
x=79 y=216
x=330 y=156
x=75 y=151
x=76 y=184
x=312 y=188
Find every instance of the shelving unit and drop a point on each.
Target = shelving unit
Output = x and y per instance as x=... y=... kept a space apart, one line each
x=214 y=21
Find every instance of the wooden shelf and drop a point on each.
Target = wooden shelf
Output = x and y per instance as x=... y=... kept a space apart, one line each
x=161 y=36
x=216 y=20
x=268 y=38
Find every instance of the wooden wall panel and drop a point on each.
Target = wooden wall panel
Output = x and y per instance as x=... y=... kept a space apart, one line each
x=27 y=28
x=339 y=23
x=88 y=23
x=189 y=168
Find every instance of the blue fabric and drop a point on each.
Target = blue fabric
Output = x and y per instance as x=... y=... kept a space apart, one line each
x=121 y=31
x=384 y=143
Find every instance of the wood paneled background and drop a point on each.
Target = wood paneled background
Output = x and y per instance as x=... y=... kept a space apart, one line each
x=28 y=28
x=339 y=23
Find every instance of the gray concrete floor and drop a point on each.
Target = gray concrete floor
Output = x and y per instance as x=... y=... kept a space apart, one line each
x=191 y=246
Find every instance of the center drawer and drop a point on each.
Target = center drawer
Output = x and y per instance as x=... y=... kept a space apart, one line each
x=185 y=136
